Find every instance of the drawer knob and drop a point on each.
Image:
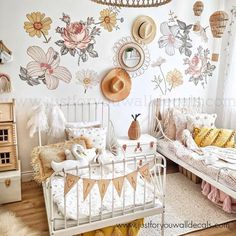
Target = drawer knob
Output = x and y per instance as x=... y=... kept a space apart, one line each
x=124 y=147
x=151 y=144
x=138 y=148
x=7 y=183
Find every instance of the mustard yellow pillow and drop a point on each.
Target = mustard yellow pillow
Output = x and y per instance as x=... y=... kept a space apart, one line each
x=214 y=137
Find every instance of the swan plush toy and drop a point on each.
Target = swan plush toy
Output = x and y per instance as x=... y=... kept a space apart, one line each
x=75 y=158
x=189 y=142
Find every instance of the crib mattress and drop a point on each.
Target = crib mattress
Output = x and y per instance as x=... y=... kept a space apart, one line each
x=226 y=178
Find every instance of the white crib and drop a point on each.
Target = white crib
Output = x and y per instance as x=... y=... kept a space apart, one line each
x=61 y=225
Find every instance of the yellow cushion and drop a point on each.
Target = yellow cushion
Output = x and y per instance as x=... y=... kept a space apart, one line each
x=129 y=229
x=214 y=137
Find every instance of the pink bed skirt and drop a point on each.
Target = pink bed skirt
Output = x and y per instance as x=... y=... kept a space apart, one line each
x=219 y=198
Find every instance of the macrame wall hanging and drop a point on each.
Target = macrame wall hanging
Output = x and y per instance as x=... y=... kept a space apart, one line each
x=5 y=83
x=5 y=53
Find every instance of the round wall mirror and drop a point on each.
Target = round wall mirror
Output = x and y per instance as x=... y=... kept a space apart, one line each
x=131 y=56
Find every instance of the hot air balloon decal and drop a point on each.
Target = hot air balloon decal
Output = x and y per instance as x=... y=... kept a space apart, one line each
x=218 y=23
x=198 y=8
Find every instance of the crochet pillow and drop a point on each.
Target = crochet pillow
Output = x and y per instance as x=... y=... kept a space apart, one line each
x=201 y=120
x=214 y=137
x=42 y=157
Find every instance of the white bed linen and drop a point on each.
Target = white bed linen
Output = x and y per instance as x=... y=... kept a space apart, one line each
x=177 y=151
x=71 y=197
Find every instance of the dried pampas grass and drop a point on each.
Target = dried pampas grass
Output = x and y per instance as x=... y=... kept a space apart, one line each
x=12 y=226
x=5 y=83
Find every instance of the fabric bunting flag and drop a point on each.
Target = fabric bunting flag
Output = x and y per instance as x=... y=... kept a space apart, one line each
x=145 y=173
x=87 y=186
x=70 y=182
x=132 y=178
x=118 y=183
x=103 y=185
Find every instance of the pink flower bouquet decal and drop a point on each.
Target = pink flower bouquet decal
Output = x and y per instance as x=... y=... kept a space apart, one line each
x=44 y=68
x=199 y=67
x=78 y=38
x=166 y=83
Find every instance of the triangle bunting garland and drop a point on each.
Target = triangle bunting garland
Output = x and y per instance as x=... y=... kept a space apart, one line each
x=103 y=185
x=132 y=178
x=118 y=183
x=70 y=182
x=87 y=186
x=145 y=173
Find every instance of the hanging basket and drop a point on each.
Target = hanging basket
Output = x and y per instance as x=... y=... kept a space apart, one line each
x=198 y=8
x=218 y=22
x=5 y=83
x=133 y=3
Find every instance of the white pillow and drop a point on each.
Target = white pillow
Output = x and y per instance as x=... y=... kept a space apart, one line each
x=201 y=120
x=97 y=135
x=86 y=124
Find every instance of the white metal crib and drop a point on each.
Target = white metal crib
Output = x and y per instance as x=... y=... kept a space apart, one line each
x=61 y=225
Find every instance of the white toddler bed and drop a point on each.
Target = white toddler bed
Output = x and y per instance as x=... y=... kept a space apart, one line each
x=71 y=214
x=220 y=174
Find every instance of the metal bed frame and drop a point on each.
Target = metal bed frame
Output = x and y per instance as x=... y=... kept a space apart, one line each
x=157 y=108
x=101 y=112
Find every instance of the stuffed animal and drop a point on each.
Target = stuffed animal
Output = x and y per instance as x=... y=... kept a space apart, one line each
x=189 y=142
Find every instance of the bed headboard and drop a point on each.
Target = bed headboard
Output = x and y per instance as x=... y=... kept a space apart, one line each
x=84 y=112
x=81 y=112
x=160 y=105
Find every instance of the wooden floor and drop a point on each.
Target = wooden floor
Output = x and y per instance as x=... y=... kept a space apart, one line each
x=31 y=210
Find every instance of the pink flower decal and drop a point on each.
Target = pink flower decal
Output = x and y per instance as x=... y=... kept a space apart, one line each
x=44 y=67
x=199 y=67
x=76 y=35
x=78 y=38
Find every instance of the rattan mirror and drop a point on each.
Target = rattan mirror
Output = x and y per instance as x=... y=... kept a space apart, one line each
x=131 y=56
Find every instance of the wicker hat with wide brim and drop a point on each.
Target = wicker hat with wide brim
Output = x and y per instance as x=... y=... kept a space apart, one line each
x=116 y=85
x=144 y=29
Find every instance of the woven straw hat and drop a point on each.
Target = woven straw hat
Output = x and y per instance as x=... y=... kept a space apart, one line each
x=144 y=29
x=116 y=85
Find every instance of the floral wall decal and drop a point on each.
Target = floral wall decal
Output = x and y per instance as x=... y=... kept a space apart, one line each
x=176 y=36
x=109 y=18
x=201 y=31
x=38 y=25
x=166 y=83
x=87 y=78
x=78 y=38
x=199 y=67
x=44 y=68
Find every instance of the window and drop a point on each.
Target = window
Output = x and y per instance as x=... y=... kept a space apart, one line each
x=5 y=158
x=4 y=135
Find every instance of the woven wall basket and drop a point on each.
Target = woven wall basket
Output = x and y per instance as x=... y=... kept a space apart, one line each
x=218 y=22
x=198 y=8
x=133 y=3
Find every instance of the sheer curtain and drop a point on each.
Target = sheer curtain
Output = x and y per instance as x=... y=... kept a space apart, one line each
x=229 y=87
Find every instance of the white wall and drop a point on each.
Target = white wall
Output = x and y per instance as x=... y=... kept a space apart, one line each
x=12 y=17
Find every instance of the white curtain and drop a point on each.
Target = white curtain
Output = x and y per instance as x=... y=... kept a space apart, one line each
x=229 y=87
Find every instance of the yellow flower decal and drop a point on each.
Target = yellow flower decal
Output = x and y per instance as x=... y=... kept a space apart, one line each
x=174 y=78
x=108 y=19
x=38 y=25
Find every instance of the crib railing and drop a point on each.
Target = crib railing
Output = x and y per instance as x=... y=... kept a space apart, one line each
x=156 y=184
